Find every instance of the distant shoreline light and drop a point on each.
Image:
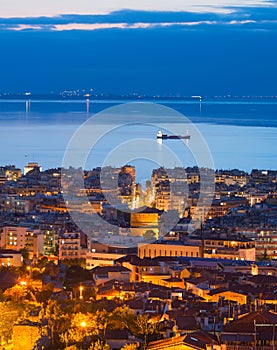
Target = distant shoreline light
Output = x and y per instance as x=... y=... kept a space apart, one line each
x=87 y=94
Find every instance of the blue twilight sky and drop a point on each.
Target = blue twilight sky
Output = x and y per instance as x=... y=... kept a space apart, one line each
x=164 y=47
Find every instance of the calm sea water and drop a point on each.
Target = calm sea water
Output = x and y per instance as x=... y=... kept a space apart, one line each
x=238 y=134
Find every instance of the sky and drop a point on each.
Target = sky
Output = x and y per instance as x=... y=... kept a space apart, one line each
x=152 y=47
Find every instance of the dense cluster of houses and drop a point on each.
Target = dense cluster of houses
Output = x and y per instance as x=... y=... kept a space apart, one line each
x=213 y=288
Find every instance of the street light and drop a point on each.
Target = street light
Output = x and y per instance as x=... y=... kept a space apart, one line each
x=83 y=324
x=81 y=288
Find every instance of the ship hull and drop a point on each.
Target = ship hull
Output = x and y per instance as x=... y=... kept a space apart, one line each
x=173 y=137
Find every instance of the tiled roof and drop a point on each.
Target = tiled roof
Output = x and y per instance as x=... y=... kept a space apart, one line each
x=173 y=279
x=153 y=305
x=186 y=323
x=246 y=323
x=135 y=260
x=136 y=303
x=188 y=339
x=205 y=337
x=218 y=291
x=263 y=279
x=107 y=269
x=116 y=334
x=160 y=293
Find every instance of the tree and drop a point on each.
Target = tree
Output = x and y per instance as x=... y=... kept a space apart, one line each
x=16 y=293
x=43 y=295
x=129 y=347
x=71 y=337
x=25 y=253
x=122 y=317
x=10 y=313
x=74 y=262
x=99 y=345
x=2 y=297
x=84 y=325
x=88 y=324
x=76 y=274
x=142 y=328
x=57 y=320
x=42 y=262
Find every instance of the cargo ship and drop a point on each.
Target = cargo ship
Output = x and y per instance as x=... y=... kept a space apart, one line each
x=162 y=136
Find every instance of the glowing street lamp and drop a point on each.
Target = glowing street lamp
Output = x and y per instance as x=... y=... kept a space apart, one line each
x=83 y=324
x=81 y=288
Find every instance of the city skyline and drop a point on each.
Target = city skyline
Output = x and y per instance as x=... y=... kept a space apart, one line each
x=138 y=177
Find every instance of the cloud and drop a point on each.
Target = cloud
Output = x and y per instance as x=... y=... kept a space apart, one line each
x=142 y=51
x=38 y=8
x=247 y=17
x=101 y=26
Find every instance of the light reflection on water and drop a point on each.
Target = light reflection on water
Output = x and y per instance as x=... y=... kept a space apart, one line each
x=238 y=135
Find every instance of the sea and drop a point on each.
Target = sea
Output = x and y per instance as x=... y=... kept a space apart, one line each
x=224 y=134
